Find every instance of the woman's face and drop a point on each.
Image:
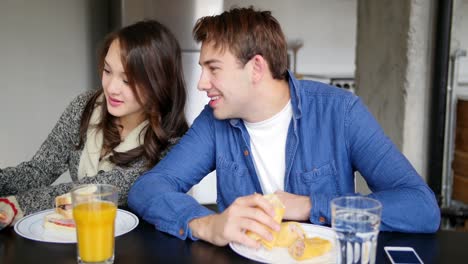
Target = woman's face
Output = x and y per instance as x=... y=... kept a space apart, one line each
x=120 y=99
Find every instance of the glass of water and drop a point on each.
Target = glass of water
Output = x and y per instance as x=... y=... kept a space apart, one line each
x=356 y=221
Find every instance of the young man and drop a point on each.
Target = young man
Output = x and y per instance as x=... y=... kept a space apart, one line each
x=265 y=131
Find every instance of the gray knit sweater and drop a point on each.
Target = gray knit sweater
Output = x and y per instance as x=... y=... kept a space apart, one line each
x=31 y=181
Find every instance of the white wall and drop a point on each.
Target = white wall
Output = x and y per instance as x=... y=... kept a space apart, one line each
x=47 y=51
x=460 y=34
x=460 y=41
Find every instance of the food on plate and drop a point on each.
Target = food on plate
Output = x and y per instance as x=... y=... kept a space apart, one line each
x=292 y=236
x=289 y=232
x=62 y=217
x=307 y=248
x=279 y=213
x=58 y=222
x=63 y=205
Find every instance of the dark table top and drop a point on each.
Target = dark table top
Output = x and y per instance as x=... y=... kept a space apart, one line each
x=147 y=245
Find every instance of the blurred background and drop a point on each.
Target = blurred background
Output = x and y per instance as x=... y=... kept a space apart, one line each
x=406 y=59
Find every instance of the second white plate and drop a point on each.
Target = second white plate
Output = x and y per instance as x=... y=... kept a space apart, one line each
x=31 y=227
x=281 y=255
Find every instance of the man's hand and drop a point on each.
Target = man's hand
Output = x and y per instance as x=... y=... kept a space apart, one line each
x=251 y=212
x=297 y=206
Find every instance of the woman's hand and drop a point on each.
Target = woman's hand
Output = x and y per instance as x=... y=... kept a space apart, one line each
x=7 y=212
x=5 y=217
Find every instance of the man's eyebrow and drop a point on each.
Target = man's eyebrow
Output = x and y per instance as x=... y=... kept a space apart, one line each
x=209 y=62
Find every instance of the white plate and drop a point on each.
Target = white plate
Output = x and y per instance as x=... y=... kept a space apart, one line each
x=31 y=227
x=281 y=255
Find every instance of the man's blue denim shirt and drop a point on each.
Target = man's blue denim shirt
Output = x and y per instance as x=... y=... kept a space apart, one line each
x=331 y=135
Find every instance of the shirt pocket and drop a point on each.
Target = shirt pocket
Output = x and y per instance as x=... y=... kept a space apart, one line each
x=321 y=179
x=232 y=181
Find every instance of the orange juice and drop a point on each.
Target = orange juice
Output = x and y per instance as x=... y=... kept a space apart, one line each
x=95 y=230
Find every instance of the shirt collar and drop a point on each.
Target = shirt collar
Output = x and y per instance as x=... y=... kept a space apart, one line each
x=294 y=86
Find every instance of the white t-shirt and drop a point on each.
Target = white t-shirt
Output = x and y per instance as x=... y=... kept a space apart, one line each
x=267 y=144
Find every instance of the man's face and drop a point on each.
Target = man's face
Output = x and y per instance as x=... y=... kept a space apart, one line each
x=226 y=82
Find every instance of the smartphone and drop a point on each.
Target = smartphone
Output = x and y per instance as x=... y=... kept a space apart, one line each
x=403 y=255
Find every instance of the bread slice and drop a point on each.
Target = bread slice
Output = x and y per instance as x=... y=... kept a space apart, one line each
x=63 y=199
x=63 y=205
x=307 y=248
x=57 y=221
x=62 y=218
x=289 y=232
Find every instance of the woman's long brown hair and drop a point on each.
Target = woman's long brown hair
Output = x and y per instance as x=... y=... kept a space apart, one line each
x=152 y=61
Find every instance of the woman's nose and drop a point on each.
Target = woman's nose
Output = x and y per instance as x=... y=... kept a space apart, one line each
x=114 y=86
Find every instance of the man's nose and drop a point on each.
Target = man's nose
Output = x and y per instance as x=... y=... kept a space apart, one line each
x=204 y=82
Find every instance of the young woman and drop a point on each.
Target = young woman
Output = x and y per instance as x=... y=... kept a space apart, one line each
x=110 y=135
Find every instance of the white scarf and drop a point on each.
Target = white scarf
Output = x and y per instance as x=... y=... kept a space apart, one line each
x=90 y=164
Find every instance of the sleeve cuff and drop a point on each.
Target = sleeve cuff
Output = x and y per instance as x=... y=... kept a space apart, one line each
x=321 y=213
x=13 y=211
x=19 y=213
x=197 y=211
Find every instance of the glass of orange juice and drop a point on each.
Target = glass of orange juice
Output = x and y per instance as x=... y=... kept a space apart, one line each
x=94 y=212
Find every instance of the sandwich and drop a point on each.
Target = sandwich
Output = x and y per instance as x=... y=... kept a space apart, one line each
x=62 y=217
x=289 y=232
x=307 y=248
x=63 y=205
x=279 y=213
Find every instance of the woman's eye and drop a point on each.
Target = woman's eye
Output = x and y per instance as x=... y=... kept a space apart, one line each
x=125 y=81
x=106 y=71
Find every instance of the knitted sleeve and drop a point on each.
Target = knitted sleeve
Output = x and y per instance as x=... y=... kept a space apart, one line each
x=42 y=198
x=51 y=160
x=38 y=199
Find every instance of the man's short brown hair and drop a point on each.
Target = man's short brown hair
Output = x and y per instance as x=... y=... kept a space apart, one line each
x=246 y=32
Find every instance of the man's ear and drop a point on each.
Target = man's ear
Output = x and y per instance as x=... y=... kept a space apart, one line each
x=259 y=68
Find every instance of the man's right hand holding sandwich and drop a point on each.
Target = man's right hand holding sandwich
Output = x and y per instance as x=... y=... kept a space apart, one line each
x=254 y=213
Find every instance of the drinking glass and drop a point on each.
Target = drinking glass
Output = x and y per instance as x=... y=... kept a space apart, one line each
x=94 y=212
x=356 y=221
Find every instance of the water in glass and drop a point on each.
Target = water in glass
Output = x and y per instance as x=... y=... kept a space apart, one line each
x=357 y=230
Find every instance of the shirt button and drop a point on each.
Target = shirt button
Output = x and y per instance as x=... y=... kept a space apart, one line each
x=322 y=219
x=246 y=152
x=181 y=232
